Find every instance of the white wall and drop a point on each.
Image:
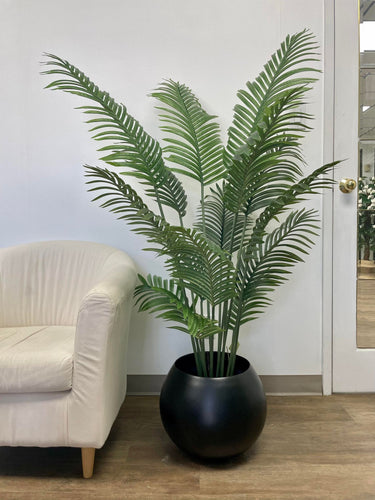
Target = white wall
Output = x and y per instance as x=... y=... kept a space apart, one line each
x=127 y=47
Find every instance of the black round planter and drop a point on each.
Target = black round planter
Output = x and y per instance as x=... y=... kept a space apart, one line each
x=212 y=417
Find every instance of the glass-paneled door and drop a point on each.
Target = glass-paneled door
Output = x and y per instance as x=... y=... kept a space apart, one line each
x=354 y=198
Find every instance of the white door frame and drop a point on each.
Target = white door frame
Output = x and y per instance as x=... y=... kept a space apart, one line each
x=345 y=367
x=327 y=209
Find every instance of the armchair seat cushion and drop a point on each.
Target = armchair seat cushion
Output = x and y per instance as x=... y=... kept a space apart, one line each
x=36 y=358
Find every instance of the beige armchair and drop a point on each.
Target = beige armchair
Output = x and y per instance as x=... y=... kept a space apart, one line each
x=64 y=322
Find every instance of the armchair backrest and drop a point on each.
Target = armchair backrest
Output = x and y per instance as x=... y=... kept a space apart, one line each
x=44 y=283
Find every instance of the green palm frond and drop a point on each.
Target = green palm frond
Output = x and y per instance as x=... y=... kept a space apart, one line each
x=268 y=265
x=133 y=149
x=166 y=298
x=281 y=74
x=194 y=143
x=222 y=226
x=122 y=200
x=204 y=268
x=263 y=150
x=294 y=194
x=269 y=160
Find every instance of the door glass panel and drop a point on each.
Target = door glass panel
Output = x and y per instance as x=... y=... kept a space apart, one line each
x=366 y=179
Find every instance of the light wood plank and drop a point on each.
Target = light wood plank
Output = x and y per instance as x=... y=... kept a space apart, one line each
x=311 y=447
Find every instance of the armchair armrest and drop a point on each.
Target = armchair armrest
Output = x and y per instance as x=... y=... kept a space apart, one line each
x=99 y=372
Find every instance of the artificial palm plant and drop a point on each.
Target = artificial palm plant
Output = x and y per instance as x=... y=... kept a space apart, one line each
x=224 y=268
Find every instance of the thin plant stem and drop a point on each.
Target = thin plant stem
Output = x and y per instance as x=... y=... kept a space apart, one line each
x=219 y=342
x=203 y=358
x=211 y=345
x=228 y=304
x=233 y=352
x=196 y=357
x=222 y=361
x=225 y=316
x=203 y=210
x=212 y=349
x=235 y=333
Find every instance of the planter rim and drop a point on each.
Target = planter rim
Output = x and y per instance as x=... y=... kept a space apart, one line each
x=199 y=377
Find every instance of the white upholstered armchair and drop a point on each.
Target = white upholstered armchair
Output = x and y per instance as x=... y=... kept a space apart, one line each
x=64 y=321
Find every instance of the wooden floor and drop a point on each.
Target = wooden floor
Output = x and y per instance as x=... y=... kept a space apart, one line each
x=312 y=447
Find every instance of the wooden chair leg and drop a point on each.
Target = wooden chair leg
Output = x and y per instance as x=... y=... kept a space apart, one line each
x=88 y=457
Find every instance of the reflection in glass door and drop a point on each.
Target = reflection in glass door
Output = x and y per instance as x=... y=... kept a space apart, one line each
x=366 y=180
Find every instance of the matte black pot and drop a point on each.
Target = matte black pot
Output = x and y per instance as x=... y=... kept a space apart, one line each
x=212 y=417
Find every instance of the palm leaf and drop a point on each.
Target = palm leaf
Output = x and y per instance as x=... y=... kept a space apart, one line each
x=280 y=75
x=121 y=199
x=269 y=160
x=294 y=194
x=268 y=265
x=194 y=143
x=222 y=226
x=204 y=268
x=134 y=149
x=166 y=298
x=263 y=150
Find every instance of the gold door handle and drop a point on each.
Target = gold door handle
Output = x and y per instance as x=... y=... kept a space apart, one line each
x=347 y=185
